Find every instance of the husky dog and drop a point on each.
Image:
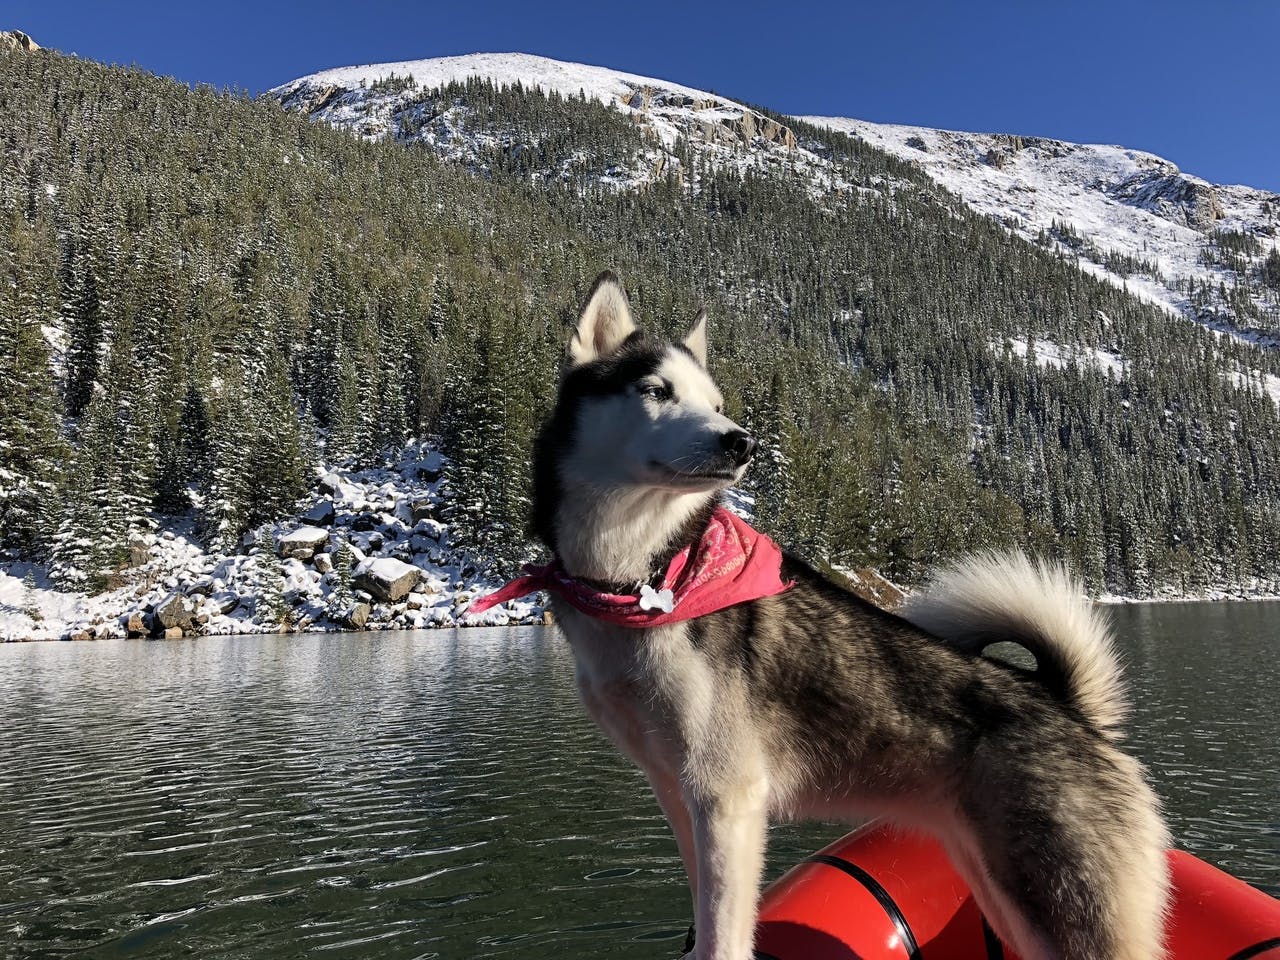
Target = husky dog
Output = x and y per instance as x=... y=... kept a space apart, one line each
x=812 y=703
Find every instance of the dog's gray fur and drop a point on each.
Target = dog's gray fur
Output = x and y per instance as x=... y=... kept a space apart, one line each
x=813 y=703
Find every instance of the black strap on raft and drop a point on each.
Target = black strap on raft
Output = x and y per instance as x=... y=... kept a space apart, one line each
x=886 y=902
x=1256 y=950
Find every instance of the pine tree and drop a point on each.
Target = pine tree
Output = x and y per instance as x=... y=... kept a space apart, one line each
x=341 y=598
x=31 y=450
x=488 y=446
x=1271 y=269
x=30 y=602
x=87 y=339
x=79 y=548
x=184 y=457
x=771 y=474
x=272 y=609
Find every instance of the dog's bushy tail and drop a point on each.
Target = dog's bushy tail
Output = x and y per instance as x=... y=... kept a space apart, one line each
x=992 y=597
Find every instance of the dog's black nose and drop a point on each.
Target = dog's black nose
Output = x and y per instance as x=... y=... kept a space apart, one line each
x=738 y=444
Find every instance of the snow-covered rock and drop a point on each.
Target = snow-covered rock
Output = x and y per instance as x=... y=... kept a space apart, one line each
x=354 y=617
x=320 y=514
x=386 y=578
x=139 y=552
x=302 y=543
x=175 y=612
x=17 y=40
x=224 y=602
x=422 y=510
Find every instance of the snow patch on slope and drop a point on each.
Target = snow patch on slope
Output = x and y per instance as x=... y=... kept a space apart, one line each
x=1263 y=384
x=1059 y=356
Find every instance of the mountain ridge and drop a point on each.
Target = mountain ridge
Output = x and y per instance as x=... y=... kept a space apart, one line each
x=1195 y=248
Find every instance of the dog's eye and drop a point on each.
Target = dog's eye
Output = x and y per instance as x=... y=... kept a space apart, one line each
x=659 y=391
x=719 y=407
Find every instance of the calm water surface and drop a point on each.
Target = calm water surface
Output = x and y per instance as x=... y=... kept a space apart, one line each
x=441 y=794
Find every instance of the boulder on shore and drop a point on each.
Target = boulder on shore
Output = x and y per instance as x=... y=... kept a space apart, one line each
x=175 y=610
x=202 y=587
x=364 y=522
x=355 y=616
x=303 y=543
x=386 y=579
x=224 y=601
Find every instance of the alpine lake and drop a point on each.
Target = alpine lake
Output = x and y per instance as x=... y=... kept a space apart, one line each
x=442 y=794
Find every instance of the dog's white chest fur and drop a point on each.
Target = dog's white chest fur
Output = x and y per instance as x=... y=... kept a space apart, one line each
x=620 y=688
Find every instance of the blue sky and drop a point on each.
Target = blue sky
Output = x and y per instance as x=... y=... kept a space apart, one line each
x=1192 y=81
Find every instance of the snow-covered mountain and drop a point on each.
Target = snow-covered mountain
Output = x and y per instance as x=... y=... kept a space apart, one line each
x=386 y=99
x=1194 y=247
x=1130 y=216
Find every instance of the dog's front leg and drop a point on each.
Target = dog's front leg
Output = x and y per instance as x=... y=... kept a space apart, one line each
x=729 y=836
x=666 y=787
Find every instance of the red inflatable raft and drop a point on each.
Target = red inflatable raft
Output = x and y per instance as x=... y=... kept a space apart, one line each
x=885 y=894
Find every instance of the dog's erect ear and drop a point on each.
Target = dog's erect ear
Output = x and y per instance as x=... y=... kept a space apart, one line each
x=605 y=321
x=696 y=341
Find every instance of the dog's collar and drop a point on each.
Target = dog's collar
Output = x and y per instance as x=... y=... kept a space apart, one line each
x=615 y=587
x=730 y=563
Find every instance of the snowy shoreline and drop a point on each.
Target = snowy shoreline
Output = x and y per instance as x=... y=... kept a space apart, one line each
x=1111 y=600
x=537 y=616
x=371 y=552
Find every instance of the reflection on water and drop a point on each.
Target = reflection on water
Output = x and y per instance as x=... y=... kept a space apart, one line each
x=440 y=794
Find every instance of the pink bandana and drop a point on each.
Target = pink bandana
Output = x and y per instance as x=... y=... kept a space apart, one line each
x=731 y=564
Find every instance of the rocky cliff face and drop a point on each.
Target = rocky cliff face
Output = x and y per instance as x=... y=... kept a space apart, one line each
x=1173 y=196
x=17 y=40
